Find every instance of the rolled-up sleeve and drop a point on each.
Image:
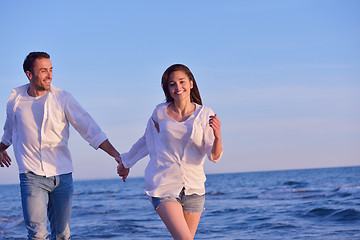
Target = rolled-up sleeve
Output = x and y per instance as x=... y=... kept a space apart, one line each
x=83 y=123
x=8 y=128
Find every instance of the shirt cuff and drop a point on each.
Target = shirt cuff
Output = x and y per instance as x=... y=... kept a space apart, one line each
x=98 y=140
x=215 y=160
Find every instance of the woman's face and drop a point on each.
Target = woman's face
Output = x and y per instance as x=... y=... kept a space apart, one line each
x=179 y=86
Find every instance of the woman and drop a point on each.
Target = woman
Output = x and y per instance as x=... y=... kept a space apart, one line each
x=178 y=136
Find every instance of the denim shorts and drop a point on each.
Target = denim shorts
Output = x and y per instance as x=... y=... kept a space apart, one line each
x=190 y=203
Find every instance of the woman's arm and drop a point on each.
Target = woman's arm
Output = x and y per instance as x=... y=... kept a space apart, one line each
x=139 y=150
x=128 y=159
x=217 y=147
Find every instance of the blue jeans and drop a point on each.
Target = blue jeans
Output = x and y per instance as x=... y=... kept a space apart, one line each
x=46 y=198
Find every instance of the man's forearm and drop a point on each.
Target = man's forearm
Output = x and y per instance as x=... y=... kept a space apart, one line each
x=3 y=147
x=109 y=149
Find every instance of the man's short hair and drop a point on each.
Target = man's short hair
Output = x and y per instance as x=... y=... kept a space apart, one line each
x=30 y=59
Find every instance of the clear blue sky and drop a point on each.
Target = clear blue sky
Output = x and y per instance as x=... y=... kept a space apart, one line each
x=283 y=76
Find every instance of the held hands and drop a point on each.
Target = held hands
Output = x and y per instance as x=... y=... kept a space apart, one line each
x=215 y=124
x=4 y=159
x=121 y=170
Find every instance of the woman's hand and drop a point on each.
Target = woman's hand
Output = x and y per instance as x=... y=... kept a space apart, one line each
x=215 y=124
x=121 y=170
x=217 y=148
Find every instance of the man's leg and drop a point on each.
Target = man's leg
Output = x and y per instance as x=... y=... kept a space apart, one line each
x=59 y=208
x=34 y=198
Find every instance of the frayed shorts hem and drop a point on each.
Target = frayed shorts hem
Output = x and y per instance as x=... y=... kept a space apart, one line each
x=190 y=203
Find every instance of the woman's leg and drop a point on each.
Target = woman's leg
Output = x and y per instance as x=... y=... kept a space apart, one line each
x=192 y=219
x=193 y=205
x=172 y=215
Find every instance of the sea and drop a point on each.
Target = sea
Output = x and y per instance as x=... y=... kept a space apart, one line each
x=292 y=204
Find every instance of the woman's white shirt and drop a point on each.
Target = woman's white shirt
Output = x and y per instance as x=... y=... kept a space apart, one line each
x=177 y=152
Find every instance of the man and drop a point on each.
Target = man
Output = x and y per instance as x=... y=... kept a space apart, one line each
x=37 y=124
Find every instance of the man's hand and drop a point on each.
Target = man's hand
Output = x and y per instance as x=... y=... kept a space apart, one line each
x=121 y=170
x=4 y=159
x=108 y=148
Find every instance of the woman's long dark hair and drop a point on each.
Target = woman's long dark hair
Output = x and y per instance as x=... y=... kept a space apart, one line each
x=194 y=93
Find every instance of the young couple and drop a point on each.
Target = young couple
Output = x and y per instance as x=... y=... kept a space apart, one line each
x=178 y=137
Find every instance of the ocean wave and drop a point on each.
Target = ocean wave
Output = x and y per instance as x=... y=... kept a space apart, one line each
x=224 y=211
x=215 y=193
x=11 y=221
x=119 y=229
x=334 y=214
x=346 y=215
x=108 y=194
x=275 y=226
x=294 y=194
x=93 y=210
x=94 y=193
x=297 y=192
x=346 y=191
x=295 y=184
x=320 y=212
x=257 y=218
